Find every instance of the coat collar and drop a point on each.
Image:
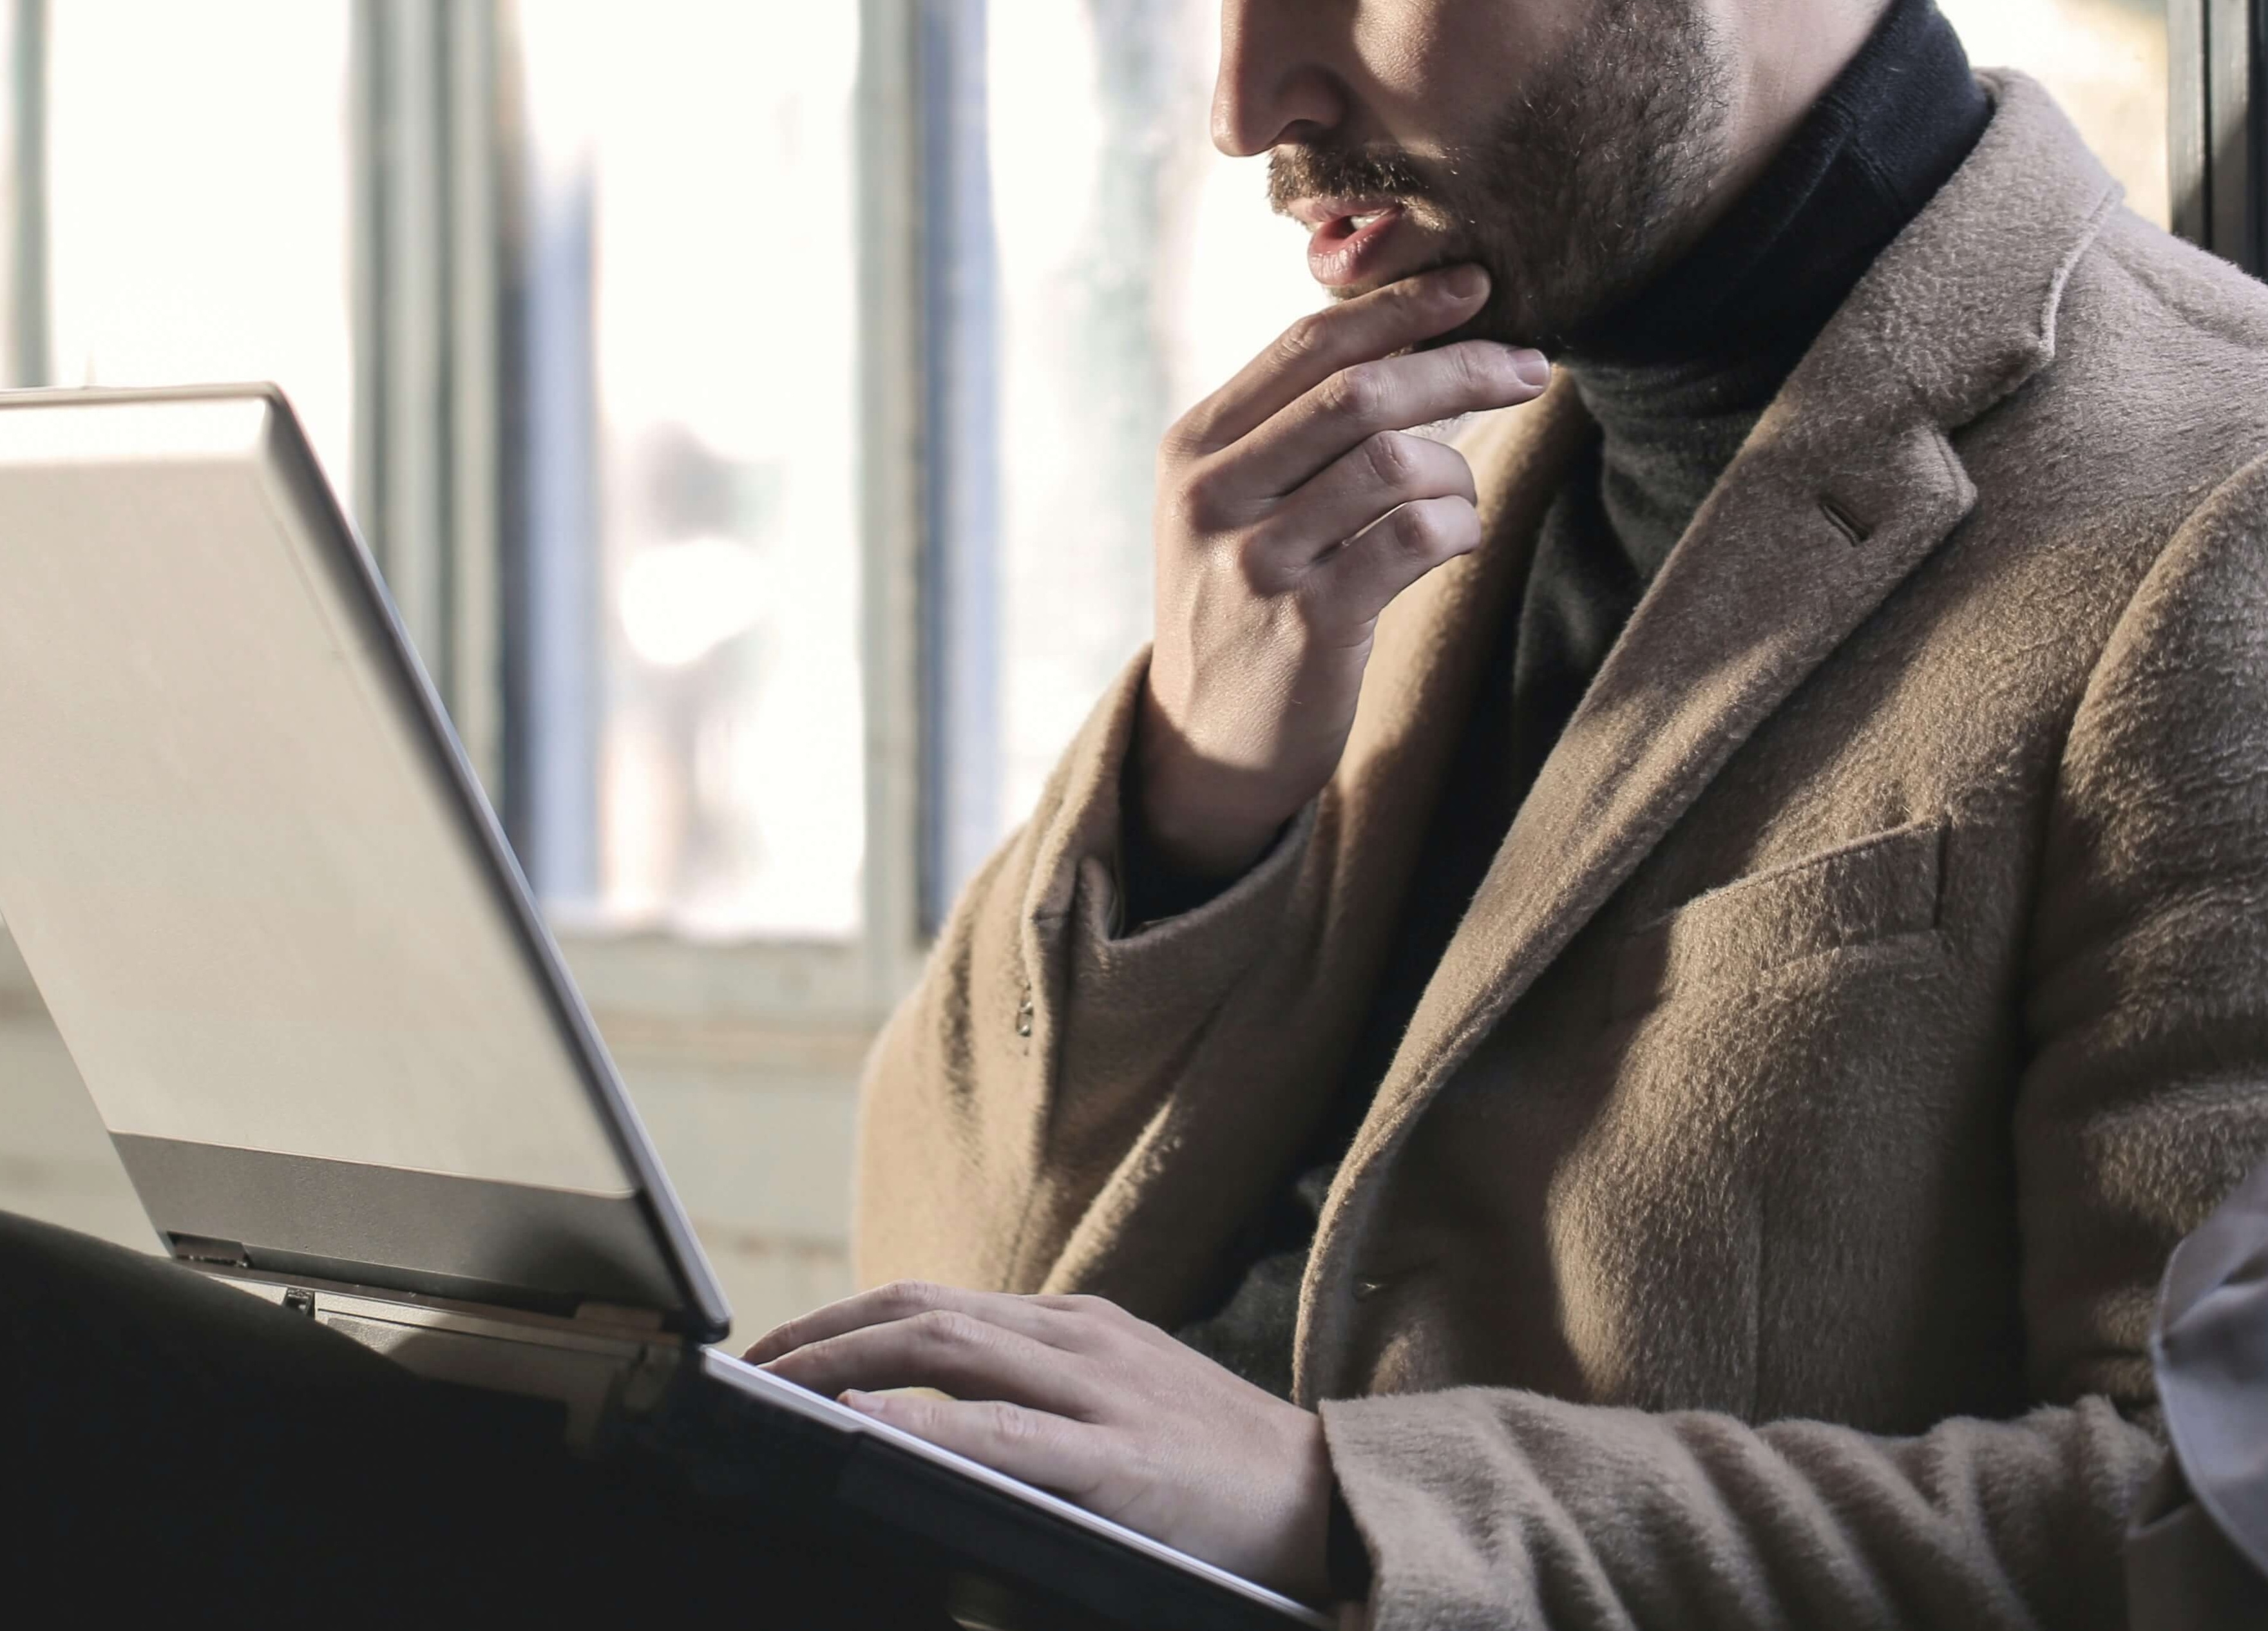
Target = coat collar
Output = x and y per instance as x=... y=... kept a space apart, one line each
x=1847 y=484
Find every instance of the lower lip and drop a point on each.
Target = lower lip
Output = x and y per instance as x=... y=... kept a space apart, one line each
x=1337 y=257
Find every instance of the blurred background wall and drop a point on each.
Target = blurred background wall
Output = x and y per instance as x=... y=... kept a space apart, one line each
x=752 y=404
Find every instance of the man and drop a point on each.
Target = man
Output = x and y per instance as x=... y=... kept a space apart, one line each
x=1648 y=995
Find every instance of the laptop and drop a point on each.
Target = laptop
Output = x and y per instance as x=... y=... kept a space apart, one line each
x=282 y=935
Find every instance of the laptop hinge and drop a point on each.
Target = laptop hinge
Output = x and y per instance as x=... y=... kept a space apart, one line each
x=203 y=1249
x=618 y=1317
x=606 y=1361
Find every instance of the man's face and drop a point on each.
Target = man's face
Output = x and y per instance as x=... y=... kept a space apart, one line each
x=1566 y=145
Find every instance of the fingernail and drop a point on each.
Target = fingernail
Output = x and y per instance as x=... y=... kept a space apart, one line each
x=1463 y=282
x=856 y=1401
x=1533 y=368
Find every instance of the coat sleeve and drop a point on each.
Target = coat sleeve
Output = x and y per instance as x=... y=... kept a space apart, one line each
x=1041 y=1047
x=2143 y=1099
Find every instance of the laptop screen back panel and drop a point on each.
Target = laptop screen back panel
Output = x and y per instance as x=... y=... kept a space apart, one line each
x=267 y=906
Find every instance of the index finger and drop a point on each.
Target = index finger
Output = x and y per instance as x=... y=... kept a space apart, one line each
x=903 y=1300
x=1319 y=344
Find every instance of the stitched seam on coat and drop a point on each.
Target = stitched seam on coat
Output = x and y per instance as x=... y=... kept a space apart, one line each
x=2051 y=307
x=1905 y=832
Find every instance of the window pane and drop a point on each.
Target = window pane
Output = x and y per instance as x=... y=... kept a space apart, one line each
x=712 y=144
x=198 y=199
x=1138 y=270
x=2104 y=60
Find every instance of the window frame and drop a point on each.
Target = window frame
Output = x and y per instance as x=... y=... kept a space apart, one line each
x=2215 y=51
x=26 y=350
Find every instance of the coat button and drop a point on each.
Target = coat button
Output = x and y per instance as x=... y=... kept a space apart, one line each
x=1024 y=1015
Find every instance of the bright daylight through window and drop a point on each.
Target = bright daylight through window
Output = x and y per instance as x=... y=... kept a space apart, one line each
x=1138 y=269
x=711 y=148
x=2104 y=60
x=172 y=258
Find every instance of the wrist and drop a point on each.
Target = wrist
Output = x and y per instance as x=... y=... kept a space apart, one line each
x=1303 y=1571
x=1199 y=819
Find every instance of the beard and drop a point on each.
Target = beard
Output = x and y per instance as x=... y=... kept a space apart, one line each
x=1587 y=184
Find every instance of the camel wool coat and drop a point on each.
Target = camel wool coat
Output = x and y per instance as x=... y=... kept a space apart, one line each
x=1759 y=1224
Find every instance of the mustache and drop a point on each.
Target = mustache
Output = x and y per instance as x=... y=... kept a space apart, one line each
x=1310 y=172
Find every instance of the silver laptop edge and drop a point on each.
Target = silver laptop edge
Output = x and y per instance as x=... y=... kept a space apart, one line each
x=687 y=1261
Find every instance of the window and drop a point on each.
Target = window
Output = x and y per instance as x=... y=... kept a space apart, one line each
x=2105 y=60
x=705 y=157
x=204 y=235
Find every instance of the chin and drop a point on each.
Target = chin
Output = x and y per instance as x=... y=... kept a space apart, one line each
x=1507 y=320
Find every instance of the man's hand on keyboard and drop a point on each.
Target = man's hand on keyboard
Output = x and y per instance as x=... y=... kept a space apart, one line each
x=1077 y=1396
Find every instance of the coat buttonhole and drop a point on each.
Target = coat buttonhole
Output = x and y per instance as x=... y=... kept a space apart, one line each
x=1842 y=521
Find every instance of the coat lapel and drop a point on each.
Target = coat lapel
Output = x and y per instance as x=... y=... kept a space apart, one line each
x=1847 y=484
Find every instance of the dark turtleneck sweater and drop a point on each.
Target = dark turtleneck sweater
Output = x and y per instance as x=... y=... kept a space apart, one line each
x=1676 y=378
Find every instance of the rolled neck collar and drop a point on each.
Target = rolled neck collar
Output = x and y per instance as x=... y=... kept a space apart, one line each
x=1888 y=133
x=1678 y=376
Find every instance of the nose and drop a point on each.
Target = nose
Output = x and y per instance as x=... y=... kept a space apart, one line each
x=1274 y=87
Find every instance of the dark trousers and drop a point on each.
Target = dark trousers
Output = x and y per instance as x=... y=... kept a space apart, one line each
x=169 y=1445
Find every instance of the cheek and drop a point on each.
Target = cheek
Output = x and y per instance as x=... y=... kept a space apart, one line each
x=1436 y=74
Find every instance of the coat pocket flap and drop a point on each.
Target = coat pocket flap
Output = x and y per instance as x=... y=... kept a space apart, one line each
x=1870 y=889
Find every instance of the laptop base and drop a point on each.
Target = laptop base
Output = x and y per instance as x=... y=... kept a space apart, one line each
x=630 y=1393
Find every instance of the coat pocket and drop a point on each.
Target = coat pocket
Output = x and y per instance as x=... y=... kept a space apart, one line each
x=1871 y=889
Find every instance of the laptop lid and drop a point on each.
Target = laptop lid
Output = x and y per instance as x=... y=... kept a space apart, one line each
x=264 y=898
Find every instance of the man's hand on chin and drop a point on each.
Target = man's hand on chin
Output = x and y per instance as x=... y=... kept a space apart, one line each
x=1077 y=1396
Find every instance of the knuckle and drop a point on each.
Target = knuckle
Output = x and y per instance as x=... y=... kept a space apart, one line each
x=1306 y=336
x=908 y=1295
x=1203 y=500
x=918 y=1416
x=1200 y=503
x=1393 y=459
x=1088 y=1313
x=1447 y=526
x=1357 y=393
x=943 y=1327
x=1185 y=440
x=1259 y=553
x=1480 y=369
x=1418 y=528
x=1011 y=1424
